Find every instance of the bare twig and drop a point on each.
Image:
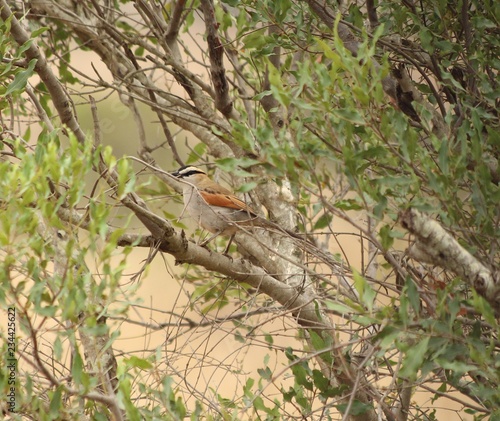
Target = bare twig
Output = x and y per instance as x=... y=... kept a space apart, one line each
x=39 y=108
x=95 y=118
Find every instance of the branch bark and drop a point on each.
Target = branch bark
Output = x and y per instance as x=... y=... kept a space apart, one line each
x=434 y=245
x=216 y=53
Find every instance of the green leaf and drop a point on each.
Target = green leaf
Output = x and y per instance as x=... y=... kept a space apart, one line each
x=318 y=341
x=357 y=408
x=197 y=153
x=189 y=20
x=351 y=115
x=139 y=363
x=339 y=308
x=108 y=157
x=256 y=40
x=426 y=38
x=236 y=166
x=320 y=381
x=126 y=178
x=139 y=51
x=258 y=403
x=459 y=367
x=77 y=370
x=387 y=336
x=411 y=292
x=39 y=31
x=348 y=204
x=385 y=237
x=443 y=157
x=55 y=403
x=277 y=87
x=365 y=291
x=247 y=389
x=245 y=188
x=323 y=221
x=322 y=343
x=21 y=79
x=414 y=358
x=265 y=373
x=238 y=337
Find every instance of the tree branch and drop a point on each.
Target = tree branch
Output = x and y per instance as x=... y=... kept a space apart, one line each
x=216 y=53
x=175 y=21
x=372 y=13
x=436 y=246
x=241 y=270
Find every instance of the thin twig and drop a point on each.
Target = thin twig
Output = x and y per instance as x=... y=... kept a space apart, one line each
x=95 y=118
x=39 y=108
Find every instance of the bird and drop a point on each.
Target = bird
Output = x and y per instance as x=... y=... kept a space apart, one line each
x=215 y=208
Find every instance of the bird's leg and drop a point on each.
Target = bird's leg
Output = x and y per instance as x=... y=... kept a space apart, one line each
x=228 y=244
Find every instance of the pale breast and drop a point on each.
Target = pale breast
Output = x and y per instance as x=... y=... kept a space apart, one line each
x=214 y=219
x=204 y=215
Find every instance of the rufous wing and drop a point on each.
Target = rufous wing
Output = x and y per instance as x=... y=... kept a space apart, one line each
x=226 y=201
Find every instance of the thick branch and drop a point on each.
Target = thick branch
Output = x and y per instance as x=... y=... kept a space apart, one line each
x=436 y=246
x=372 y=13
x=176 y=244
x=175 y=21
x=216 y=53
